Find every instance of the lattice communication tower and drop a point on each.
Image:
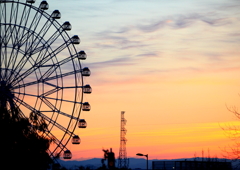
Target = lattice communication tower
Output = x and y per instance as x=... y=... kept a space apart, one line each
x=123 y=161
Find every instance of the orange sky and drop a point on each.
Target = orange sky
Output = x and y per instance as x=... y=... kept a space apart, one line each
x=173 y=67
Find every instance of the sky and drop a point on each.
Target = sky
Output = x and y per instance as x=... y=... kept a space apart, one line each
x=172 y=66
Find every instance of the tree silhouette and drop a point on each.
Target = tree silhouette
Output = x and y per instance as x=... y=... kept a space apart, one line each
x=232 y=131
x=23 y=143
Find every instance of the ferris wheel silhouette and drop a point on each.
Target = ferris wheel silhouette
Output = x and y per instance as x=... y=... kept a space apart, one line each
x=41 y=72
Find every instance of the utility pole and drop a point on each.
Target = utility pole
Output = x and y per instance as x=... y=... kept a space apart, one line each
x=123 y=161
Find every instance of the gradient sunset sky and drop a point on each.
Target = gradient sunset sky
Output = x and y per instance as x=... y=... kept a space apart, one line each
x=172 y=66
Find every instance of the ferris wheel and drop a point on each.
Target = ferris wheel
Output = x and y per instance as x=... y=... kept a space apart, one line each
x=40 y=70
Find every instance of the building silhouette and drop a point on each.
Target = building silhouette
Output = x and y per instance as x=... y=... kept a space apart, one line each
x=191 y=165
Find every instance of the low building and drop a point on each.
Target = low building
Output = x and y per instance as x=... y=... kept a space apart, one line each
x=191 y=165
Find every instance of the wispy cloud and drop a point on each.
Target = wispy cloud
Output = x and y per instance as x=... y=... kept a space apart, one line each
x=179 y=21
x=124 y=61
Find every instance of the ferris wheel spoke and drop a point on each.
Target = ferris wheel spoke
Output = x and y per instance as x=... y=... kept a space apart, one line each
x=2 y=13
x=62 y=100
x=40 y=96
x=3 y=17
x=33 y=40
x=43 y=57
x=26 y=58
x=10 y=58
x=28 y=55
x=25 y=35
x=32 y=95
x=13 y=19
x=54 y=36
x=51 y=91
x=25 y=16
x=42 y=49
x=46 y=118
x=27 y=84
x=56 y=110
x=52 y=68
x=15 y=44
x=57 y=88
x=36 y=20
x=55 y=140
x=5 y=28
x=49 y=135
x=38 y=64
x=46 y=26
x=21 y=32
x=21 y=114
x=3 y=61
x=22 y=36
x=8 y=30
x=54 y=123
x=14 y=53
x=17 y=30
x=20 y=64
x=48 y=79
x=52 y=107
x=34 y=47
x=59 y=144
x=24 y=20
x=11 y=62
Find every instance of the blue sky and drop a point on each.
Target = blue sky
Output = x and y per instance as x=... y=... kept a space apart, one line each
x=109 y=28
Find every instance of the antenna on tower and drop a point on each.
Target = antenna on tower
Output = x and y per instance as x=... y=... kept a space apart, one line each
x=123 y=161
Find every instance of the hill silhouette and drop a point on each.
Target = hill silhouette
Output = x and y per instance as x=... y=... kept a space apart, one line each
x=134 y=163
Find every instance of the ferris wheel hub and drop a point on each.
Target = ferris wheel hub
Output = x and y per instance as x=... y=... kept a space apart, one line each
x=6 y=93
x=5 y=88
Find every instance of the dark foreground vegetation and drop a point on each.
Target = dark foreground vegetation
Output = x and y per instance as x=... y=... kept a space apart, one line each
x=23 y=145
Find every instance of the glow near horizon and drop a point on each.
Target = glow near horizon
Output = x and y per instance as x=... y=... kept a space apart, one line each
x=172 y=66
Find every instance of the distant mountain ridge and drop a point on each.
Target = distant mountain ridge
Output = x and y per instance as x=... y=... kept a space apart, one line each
x=134 y=163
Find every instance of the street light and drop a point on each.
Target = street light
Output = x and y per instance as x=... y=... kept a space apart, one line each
x=140 y=154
